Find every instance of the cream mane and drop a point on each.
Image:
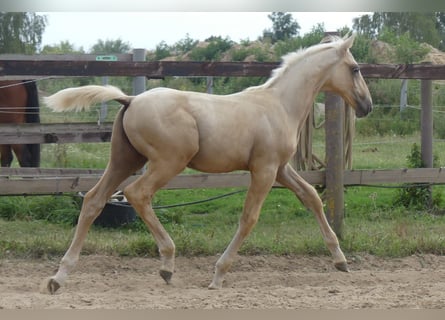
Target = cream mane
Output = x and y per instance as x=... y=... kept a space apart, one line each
x=291 y=59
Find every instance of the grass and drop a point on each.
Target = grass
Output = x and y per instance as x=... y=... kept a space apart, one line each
x=284 y=228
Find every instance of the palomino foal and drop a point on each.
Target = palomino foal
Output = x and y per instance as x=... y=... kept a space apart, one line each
x=254 y=130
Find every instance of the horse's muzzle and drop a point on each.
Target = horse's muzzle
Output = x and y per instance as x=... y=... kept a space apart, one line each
x=363 y=107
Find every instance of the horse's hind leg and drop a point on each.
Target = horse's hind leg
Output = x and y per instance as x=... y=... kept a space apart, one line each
x=22 y=154
x=28 y=155
x=308 y=195
x=6 y=155
x=93 y=203
x=124 y=161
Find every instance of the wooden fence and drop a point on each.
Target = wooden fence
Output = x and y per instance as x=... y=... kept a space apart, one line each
x=39 y=181
x=51 y=181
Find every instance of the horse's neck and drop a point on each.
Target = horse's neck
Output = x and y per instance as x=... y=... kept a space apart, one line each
x=303 y=79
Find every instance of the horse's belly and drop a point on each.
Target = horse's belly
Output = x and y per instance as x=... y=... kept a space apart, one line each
x=218 y=161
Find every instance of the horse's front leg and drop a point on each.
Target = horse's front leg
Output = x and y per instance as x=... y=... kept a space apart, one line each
x=308 y=196
x=261 y=183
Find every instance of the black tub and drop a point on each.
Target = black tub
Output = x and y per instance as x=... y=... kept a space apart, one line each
x=116 y=213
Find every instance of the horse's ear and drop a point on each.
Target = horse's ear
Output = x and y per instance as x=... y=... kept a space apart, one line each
x=347 y=43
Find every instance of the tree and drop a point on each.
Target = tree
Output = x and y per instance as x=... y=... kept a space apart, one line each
x=61 y=48
x=185 y=45
x=215 y=47
x=110 y=46
x=21 y=32
x=53 y=85
x=440 y=26
x=292 y=44
x=283 y=26
x=162 y=51
x=420 y=26
x=407 y=50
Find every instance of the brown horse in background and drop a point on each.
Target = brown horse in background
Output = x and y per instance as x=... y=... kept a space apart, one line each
x=19 y=103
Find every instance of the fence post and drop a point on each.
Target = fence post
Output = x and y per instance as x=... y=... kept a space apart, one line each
x=334 y=126
x=138 y=82
x=335 y=114
x=209 y=84
x=104 y=106
x=404 y=95
x=426 y=127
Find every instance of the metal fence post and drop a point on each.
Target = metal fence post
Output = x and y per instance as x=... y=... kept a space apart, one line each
x=209 y=84
x=139 y=83
x=104 y=106
x=404 y=95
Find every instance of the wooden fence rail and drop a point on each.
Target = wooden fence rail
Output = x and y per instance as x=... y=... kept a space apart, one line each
x=32 y=181
x=158 y=69
x=54 y=133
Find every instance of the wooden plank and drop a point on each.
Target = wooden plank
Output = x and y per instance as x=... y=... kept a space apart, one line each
x=403 y=71
x=55 y=57
x=54 y=185
x=41 y=172
x=25 y=77
x=73 y=182
x=395 y=176
x=54 y=133
x=160 y=69
x=67 y=182
x=63 y=57
x=154 y=69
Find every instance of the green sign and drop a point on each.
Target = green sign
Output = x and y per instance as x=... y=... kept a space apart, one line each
x=106 y=58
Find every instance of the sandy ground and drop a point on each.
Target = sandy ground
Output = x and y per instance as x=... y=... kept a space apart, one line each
x=255 y=282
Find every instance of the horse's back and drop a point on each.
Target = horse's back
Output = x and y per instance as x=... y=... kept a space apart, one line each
x=227 y=129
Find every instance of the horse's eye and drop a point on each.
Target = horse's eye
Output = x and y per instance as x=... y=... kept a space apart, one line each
x=356 y=69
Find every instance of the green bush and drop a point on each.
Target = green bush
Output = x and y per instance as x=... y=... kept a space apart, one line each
x=212 y=51
x=387 y=91
x=162 y=51
x=417 y=197
x=407 y=50
x=361 y=50
x=439 y=124
x=56 y=209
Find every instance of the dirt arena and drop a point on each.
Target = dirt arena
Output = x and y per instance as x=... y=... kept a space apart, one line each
x=255 y=282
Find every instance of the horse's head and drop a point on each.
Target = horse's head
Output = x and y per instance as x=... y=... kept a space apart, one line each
x=345 y=79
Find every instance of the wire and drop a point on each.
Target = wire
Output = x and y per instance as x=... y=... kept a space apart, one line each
x=404 y=186
x=24 y=82
x=199 y=201
x=183 y=204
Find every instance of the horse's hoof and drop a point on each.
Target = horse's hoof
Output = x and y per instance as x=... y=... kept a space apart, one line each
x=49 y=286
x=342 y=266
x=166 y=275
x=215 y=286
